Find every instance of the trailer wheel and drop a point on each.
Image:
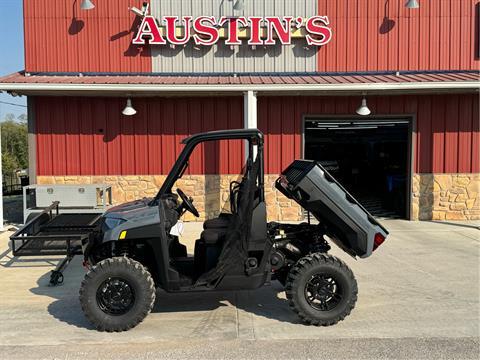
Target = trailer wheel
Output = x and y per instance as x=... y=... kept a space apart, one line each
x=117 y=294
x=321 y=289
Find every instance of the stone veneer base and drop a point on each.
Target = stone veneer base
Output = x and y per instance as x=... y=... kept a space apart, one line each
x=209 y=192
x=446 y=197
x=434 y=196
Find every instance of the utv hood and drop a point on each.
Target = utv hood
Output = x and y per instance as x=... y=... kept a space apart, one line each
x=126 y=210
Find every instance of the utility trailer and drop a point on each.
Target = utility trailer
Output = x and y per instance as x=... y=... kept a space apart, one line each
x=57 y=219
x=50 y=233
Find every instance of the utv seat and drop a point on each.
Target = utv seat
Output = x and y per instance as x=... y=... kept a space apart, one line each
x=223 y=220
x=213 y=236
x=208 y=248
x=232 y=247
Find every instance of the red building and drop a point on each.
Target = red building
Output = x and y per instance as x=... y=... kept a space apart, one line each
x=416 y=155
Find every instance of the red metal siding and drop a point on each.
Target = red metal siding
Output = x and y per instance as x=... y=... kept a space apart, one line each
x=378 y=35
x=59 y=37
x=475 y=137
x=447 y=127
x=371 y=35
x=89 y=136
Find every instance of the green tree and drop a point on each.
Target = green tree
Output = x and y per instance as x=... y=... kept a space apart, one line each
x=9 y=117
x=22 y=118
x=14 y=144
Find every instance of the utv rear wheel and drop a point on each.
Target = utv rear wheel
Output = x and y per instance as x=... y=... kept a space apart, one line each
x=321 y=289
x=117 y=294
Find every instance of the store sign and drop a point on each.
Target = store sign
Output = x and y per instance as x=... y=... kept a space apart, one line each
x=255 y=30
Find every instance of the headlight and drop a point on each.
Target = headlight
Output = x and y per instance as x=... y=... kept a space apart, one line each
x=111 y=223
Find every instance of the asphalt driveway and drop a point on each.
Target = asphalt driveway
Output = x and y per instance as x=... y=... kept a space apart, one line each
x=418 y=298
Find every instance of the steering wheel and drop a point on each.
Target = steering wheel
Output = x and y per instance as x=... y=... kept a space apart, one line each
x=187 y=203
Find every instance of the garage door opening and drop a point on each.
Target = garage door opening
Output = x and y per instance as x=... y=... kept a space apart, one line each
x=370 y=158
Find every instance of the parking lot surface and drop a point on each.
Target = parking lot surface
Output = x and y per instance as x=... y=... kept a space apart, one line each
x=418 y=298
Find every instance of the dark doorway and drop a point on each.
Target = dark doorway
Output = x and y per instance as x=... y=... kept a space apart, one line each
x=370 y=158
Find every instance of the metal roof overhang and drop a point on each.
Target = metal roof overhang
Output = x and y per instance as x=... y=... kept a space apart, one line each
x=160 y=84
x=55 y=89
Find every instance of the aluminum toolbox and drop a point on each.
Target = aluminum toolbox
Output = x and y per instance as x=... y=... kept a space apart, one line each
x=346 y=221
x=82 y=198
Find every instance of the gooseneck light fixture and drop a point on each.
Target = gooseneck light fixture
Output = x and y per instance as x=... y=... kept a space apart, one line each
x=412 y=4
x=363 y=109
x=239 y=5
x=141 y=12
x=87 y=5
x=129 y=110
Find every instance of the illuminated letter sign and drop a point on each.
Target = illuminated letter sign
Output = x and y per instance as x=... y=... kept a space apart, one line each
x=318 y=31
x=172 y=29
x=148 y=28
x=283 y=29
x=254 y=30
x=205 y=31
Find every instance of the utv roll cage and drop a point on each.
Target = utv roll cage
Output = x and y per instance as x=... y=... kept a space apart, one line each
x=253 y=136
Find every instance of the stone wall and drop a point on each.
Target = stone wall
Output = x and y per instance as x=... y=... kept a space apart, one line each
x=434 y=196
x=210 y=192
x=446 y=197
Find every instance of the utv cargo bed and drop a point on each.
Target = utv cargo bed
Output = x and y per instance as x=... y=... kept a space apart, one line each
x=346 y=221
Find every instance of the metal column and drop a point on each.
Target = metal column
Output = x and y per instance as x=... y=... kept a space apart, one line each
x=250 y=114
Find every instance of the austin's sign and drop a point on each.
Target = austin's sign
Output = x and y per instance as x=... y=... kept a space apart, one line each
x=255 y=30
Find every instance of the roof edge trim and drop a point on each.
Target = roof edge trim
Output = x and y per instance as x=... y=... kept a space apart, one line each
x=162 y=88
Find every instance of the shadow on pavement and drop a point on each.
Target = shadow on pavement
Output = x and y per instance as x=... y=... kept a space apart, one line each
x=17 y=262
x=469 y=226
x=69 y=312
x=66 y=307
x=264 y=302
x=7 y=260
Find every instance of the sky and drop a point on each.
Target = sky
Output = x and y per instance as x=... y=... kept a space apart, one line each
x=11 y=47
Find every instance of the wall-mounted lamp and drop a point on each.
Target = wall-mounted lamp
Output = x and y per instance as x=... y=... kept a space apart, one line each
x=141 y=12
x=363 y=109
x=129 y=110
x=412 y=4
x=87 y=5
x=239 y=5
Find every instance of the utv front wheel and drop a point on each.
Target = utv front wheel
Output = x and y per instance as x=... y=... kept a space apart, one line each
x=117 y=294
x=321 y=289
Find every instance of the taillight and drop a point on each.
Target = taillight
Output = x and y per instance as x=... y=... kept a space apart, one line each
x=378 y=240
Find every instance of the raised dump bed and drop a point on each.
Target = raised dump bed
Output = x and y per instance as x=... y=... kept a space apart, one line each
x=346 y=221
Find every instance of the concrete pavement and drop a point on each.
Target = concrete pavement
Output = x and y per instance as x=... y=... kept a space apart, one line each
x=418 y=298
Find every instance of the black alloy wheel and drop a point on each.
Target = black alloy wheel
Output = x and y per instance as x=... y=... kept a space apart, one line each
x=322 y=292
x=321 y=289
x=115 y=296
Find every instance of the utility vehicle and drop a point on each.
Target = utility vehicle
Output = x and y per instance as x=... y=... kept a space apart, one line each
x=134 y=248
